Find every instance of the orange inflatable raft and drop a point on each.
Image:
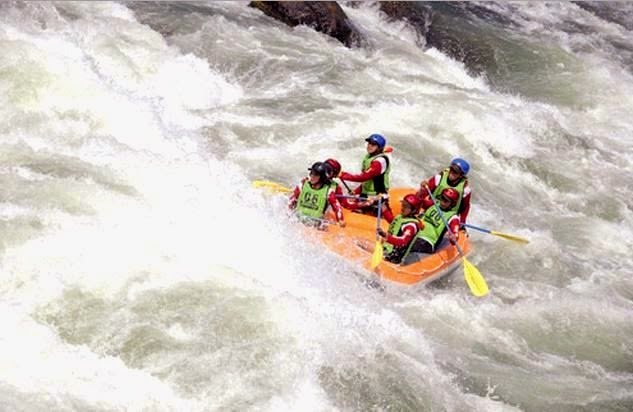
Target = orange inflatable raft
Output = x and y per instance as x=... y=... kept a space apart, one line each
x=356 y=242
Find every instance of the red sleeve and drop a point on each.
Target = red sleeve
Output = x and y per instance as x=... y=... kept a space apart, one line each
x=407 y=236
x=432 y=182
x=346 y=203
x=464 y=207
x=454 y=224
x=388 y=215
x=375 y=169
x=352 y=204
x=294 y=196
x=336 y=206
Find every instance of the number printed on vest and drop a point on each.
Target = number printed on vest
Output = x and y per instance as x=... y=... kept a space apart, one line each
x=311 y=201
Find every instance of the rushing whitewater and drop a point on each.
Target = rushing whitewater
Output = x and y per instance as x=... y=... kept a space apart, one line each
x=140 y=271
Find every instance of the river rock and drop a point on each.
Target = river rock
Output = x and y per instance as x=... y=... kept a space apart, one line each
x=324 y=16
x=449 y=28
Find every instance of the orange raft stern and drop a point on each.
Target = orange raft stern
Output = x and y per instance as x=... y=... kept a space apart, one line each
x=357 y=240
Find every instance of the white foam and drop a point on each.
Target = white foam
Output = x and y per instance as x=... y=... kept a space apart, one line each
x=33 y=359
x=122 y=110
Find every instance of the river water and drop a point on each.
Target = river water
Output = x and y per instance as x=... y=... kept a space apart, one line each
x=140 y=271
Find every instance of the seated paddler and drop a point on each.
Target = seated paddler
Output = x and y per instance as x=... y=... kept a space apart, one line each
x=312 y=197
x=428 y=239
x=373 y=178
x=403 y=228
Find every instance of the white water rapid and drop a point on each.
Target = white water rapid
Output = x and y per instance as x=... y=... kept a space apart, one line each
x=140 y=271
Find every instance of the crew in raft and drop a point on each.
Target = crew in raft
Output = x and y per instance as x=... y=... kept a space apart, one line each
x=410 y=231
x=454 y=177
x=311 y=198
x=374 y=177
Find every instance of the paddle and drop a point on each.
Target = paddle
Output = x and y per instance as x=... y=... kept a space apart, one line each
x=503 y=235
x=474 y=279
x=349 y=190
x=272 y=186
x=377 y=256
x=276 y=187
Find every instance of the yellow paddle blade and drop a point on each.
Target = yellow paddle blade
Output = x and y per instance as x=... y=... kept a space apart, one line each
x=474 y=279
x=271 y=186
x=510 y=237
x=376 y=257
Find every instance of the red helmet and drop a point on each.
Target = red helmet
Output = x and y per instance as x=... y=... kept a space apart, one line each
x=451 y=194
x=413 y=200
x=336 y=166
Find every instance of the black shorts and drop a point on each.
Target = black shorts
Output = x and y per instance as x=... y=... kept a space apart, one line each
x=422 y=246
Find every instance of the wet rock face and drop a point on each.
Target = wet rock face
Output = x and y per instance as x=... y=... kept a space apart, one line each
x=461 y=45
x=445 y=26
x=324 y=16
x=417 y=15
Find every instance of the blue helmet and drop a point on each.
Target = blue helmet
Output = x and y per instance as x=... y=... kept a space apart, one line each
x=462 y=164
x=377 y=139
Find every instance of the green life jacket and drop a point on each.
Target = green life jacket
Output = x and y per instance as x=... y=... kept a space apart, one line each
x=434 y=225
x=312 y=202
x=380 y=183
x=444 y=184
x=397 y=254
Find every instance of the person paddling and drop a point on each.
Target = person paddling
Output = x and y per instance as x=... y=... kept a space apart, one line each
x=398 y=239
x=455 y=177
x=431 y=235
x=311 y=198
x=374 y=177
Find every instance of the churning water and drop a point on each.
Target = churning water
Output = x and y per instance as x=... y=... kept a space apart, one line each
x=140 y=271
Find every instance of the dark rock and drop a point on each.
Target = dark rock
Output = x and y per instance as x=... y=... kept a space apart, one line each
x=466 y=10
x=460 y=43
x=416 y=14
x=323 y=16
x=448 y=26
